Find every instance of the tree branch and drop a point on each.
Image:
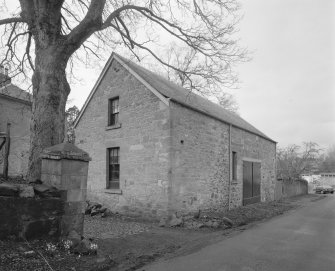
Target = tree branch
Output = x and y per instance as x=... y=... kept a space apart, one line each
x=92 y=22
x=12 y=20
x=28 y=52
x=117 y=12
x=123 y=35
x=127 y=31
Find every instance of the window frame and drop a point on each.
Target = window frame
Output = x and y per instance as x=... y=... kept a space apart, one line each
x=111 y=113
x=113 y=184
x=234 y=166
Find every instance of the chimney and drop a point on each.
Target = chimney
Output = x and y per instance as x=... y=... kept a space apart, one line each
x=4 y=78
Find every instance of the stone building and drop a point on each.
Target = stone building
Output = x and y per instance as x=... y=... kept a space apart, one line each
x=156 y=148
x=15 y=108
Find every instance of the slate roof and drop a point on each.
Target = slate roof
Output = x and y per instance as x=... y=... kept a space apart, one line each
x=177 y=94
x=190 y=99
x=14 y=92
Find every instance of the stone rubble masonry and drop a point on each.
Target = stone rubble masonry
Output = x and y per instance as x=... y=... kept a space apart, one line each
x=250 y=147
x=30 y=217
x=200 y=161
x=143 y=139
x=172 y=158
x=65 y=167
x=18 y=114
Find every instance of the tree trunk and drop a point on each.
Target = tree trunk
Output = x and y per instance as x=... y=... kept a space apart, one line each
x=7 y=150
x=50 y=92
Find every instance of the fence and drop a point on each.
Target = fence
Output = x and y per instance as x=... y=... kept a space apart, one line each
x=288 y=188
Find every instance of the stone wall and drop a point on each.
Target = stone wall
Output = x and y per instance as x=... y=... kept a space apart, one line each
x=250 y=147
x=18 y=114
x=65 y=167
x=172 y=158
x=52 y=207
x=199 y=159
x=285 y=189
x=143 y=139
x=279 y=190
x=30 y=217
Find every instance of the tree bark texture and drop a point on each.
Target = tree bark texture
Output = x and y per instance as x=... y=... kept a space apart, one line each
x=7 y=150
x=50 y=86
x=50 y=92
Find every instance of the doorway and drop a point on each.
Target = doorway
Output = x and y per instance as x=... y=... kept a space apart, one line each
x=251 y=182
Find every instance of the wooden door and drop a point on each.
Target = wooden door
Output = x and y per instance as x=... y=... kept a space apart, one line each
x=251 y=182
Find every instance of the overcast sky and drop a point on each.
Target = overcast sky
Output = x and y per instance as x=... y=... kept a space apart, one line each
x=287 y=89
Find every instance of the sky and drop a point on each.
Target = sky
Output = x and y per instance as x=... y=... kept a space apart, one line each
x=287 y=90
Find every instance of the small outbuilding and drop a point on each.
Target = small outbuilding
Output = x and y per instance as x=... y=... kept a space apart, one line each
x=157 y=148
x=15 y=115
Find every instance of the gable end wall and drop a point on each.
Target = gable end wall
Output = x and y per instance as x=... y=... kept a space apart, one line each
x=18 y=114
x=144 y=140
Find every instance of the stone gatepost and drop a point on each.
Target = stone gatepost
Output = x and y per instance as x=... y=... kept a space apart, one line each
x=65 y=167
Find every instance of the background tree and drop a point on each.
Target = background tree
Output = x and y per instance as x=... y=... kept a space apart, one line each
x=227 y=101
x=46 y=36
x=327 y=161
x=210 y=86
x=71 y=115
x=294 y=160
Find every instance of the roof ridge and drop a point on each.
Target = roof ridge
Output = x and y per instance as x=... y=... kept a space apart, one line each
x=162 y=87
x=189 y=95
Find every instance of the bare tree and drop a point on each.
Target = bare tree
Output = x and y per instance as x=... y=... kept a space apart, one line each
x=212 y=85
x=46 y=35
x=327 y=161
x=294 y=160
x=228 y=102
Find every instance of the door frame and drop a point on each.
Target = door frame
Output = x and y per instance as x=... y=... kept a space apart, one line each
x=253 y=199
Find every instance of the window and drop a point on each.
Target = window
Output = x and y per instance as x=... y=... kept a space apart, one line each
x=234 y=166
x=113 y=111
x=113 y=181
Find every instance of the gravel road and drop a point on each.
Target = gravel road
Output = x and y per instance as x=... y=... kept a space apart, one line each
x=112 y=227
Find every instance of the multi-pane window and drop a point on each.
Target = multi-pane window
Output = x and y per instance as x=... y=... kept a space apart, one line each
x=234 y=165
x=113 y=111
x=113 y=168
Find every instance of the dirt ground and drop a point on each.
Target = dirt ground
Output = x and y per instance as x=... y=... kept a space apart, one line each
x=125 y=243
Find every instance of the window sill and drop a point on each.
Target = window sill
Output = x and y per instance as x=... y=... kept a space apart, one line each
x=234 y=182
x=112 y=127
x=113 y=191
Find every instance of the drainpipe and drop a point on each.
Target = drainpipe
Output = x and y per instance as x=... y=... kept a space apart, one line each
x=171 y=164
x=230 y=165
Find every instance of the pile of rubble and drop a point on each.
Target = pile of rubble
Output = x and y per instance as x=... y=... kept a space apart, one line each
x=95 y=208
x=31 y=190
x=196 y=221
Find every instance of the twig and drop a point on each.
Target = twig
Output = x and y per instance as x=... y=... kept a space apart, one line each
x=46 y=261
